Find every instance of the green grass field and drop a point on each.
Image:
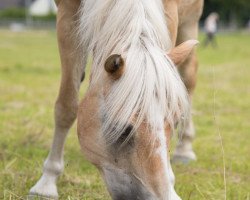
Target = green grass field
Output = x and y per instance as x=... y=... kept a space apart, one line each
x=29 y=82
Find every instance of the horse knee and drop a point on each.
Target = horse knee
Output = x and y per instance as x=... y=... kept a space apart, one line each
x=65 y=113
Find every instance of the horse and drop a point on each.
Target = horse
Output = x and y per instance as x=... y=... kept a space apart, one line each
x=142 y=79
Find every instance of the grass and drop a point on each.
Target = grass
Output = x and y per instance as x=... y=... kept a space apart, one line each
x=29 y=82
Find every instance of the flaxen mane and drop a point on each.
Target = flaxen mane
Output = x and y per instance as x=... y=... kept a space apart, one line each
x=135 y=29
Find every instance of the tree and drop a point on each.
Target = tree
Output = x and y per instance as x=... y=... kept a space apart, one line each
x=231 y=11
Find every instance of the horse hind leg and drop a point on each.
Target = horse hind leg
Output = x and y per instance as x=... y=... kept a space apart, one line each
x=184 y=150
x=67 y=102
x=188 y=70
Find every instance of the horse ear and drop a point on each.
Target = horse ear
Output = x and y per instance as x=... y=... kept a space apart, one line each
x=180 y=53
x=114 y=65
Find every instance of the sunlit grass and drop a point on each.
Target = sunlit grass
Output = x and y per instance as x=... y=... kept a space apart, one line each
x=29 y=82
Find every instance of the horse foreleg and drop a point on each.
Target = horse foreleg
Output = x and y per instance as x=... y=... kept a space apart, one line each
x=67 y=101
x=171 y=14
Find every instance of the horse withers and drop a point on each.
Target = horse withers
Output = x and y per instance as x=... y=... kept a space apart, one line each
x=135 y=97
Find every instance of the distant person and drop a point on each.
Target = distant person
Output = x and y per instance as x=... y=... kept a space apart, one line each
x=211 y=29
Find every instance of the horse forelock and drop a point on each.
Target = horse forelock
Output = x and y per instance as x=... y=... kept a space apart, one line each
x=135 y=29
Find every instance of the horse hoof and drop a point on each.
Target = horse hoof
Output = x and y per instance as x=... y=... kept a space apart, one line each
x=37 y=196
x=41 y=196
x=32 y=196
x=43 y=190
x=184 y=158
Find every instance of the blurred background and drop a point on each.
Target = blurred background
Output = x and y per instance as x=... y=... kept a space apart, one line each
x=20 y=14
x=234 y=14
x=29 y=82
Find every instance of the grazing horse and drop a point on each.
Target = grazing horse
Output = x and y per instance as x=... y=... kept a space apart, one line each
x=135 y=97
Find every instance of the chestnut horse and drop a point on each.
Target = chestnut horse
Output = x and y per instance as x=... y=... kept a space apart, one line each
x=135 y=97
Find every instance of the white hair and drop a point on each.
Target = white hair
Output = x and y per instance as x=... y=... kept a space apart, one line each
x=137 y=30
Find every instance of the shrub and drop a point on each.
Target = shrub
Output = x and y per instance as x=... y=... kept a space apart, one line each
x=12 y=13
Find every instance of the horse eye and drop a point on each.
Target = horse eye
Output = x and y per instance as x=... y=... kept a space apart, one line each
x=124 y=136
x=127 y=131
